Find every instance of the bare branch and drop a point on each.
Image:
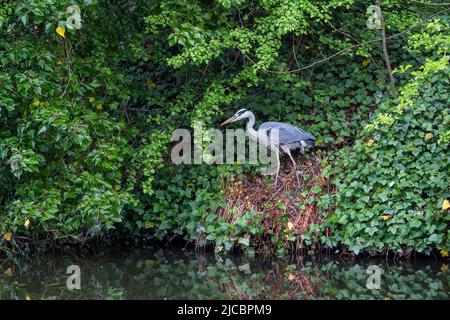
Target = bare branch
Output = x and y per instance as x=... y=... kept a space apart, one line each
x=385 y=50
x=361 y=44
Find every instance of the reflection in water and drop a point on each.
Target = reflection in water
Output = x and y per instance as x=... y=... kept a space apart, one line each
x=169 y=274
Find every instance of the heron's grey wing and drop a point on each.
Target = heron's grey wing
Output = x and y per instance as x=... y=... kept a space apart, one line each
x=288 y=134
x=306 y=136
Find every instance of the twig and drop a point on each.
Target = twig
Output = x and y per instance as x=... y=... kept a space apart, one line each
x=294 y=50
x=68 y=51
x=385 y=50
x=357 y=41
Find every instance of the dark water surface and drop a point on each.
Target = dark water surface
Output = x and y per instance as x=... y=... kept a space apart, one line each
x=161 y=273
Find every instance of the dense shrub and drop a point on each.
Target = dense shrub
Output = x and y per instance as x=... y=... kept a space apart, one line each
x=65 y=138
x=392 y=183
x=86 y=116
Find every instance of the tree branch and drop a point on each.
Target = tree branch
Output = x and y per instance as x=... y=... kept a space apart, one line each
x=433 y=3
x=385 y=50
x=358 y=45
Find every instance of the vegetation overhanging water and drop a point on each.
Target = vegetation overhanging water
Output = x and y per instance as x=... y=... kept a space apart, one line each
x=87 y=114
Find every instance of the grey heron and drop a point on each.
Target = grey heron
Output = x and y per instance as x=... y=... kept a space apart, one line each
x=289 y=137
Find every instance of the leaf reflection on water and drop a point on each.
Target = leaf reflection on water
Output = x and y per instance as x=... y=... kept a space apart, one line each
x=175 y=274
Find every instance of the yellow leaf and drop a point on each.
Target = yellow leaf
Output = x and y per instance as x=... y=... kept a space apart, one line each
x=7 y=236
x=290 y=226
x=151 y=83
x=386 y=217
x=27 y=223
x=387 y=298
x=27 y=297
x=307 y=47
x=444 y=253
x=291 y=277
x=36 y=103
x=8 y=272
x=366 y=62
x=100 y=106
x=91 y=99
x=370 y=142
x=445 y=205
x=148 y=224
x=61 y=31
x=150 y=263
x=59 y=61
x=444 y=268
x=428 y=136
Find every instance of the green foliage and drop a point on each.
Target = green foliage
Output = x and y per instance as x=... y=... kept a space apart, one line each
x=185 y=204
x=393 y=180
x=64 y=138
x=86 y=118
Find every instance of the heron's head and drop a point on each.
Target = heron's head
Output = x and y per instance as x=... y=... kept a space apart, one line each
x=241 y=114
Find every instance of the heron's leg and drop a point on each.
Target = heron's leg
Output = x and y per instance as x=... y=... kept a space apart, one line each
x=288 y=151
x=277 y=152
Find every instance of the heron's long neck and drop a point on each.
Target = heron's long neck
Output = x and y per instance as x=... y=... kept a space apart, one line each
x=251 y=122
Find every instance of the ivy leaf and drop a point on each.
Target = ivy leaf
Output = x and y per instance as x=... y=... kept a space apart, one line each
x=150 y=263
x=7 y=236
x=8 y=272
x=445 y=205
x=228 y=246
x=245 y=241
x=24 y=19
x=366 y=62
x=148 y=224
x=290 y=226
x=61 y=31
x=428 y=136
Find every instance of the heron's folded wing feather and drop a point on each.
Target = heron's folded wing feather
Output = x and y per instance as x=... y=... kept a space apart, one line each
x=287 y=133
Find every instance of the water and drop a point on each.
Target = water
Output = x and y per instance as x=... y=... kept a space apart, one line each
x=161 y=273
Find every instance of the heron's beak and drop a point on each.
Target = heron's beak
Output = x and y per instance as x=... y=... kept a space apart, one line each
x=232 y=119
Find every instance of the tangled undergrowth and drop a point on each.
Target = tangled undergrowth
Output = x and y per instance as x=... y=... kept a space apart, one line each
x=86 y=118
x=289 y=212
